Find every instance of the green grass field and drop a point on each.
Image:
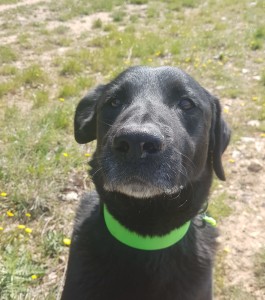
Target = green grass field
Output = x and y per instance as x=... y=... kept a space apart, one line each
x=51 y=53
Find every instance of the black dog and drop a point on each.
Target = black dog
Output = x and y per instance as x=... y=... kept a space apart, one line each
x=141 y=236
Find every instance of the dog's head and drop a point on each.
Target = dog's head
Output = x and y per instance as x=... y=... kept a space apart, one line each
x=157 y=131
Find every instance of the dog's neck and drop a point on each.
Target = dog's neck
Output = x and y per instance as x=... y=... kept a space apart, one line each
x=147 y=243
x=158 y=215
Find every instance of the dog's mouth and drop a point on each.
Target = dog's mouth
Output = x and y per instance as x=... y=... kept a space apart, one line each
x=141 y=186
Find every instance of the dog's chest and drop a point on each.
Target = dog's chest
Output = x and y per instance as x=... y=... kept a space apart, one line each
x=144 y=276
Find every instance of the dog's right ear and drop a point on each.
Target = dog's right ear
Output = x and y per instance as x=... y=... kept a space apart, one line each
x=85 y=123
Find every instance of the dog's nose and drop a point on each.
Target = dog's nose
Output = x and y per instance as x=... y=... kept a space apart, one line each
x=138 y=142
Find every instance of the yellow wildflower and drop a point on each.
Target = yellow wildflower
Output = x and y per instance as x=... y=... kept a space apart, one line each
x=3 y=194
x=9 y=213
x=1 y=228
x=231 y=160
x=150 y=59
x=227 y=249
x=226 y=110
x=157 y=53
x=87 y=154
x=67 y=241
x=254 y=98
x=20 y=226
x=34 y=276
x=28 y=215
x=65 y=154
x=28 y=230
x=262 y=134
x=61 y=99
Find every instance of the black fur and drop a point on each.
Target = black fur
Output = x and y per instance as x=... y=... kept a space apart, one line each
x=159 y=136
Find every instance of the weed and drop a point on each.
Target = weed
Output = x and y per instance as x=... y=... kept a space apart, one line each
x=40 y=98
x=60 y=41
x=189 y=3
x=255 y=45
x=24 y=40
x=175 y=48
x=97 y=24
x=260 y=33
x=71 y=67
x=62 y=29
x=139 y=2
x=33 y=76
x=6 y=87
x=218 y=207
x=258 y=38
x=17 y=266
x=52 y=243
x=260 y=267
x=118 y=16
x=7 y=54
x=8 y=70
x=68 y=90
x=8 y=1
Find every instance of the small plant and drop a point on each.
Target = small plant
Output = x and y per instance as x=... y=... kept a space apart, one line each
x=258 y=38
x=6 y=87
x=68 y=90
x=97 y=23
x=71 y=67
x=117 y=16
x=33 y=76
x=17 y=268
x=52 y=244
x=7 y=55
x=8 y=70
x=40 y=98
x=139 y=2
x=255 y=44
x=260 y=267
x=218 y=207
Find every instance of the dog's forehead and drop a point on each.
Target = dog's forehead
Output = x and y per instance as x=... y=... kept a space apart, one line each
x=166 y=79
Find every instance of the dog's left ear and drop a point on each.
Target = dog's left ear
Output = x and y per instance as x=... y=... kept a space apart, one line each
x=220 y=137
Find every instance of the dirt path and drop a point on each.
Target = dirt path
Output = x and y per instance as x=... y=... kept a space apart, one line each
x=5 y=7
x=242 y=233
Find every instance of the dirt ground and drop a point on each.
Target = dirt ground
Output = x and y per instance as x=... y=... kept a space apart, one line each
x=242 y=233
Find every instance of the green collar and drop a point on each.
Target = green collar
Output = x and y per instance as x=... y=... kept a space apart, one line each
x=134 y=240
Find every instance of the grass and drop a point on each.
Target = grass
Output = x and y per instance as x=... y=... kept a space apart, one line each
x=48 y=66
x=260 y=267
x=219 y=207
x=7 y=54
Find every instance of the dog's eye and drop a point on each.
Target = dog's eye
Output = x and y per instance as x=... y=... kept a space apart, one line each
x=186 y=104
x=115 y=102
